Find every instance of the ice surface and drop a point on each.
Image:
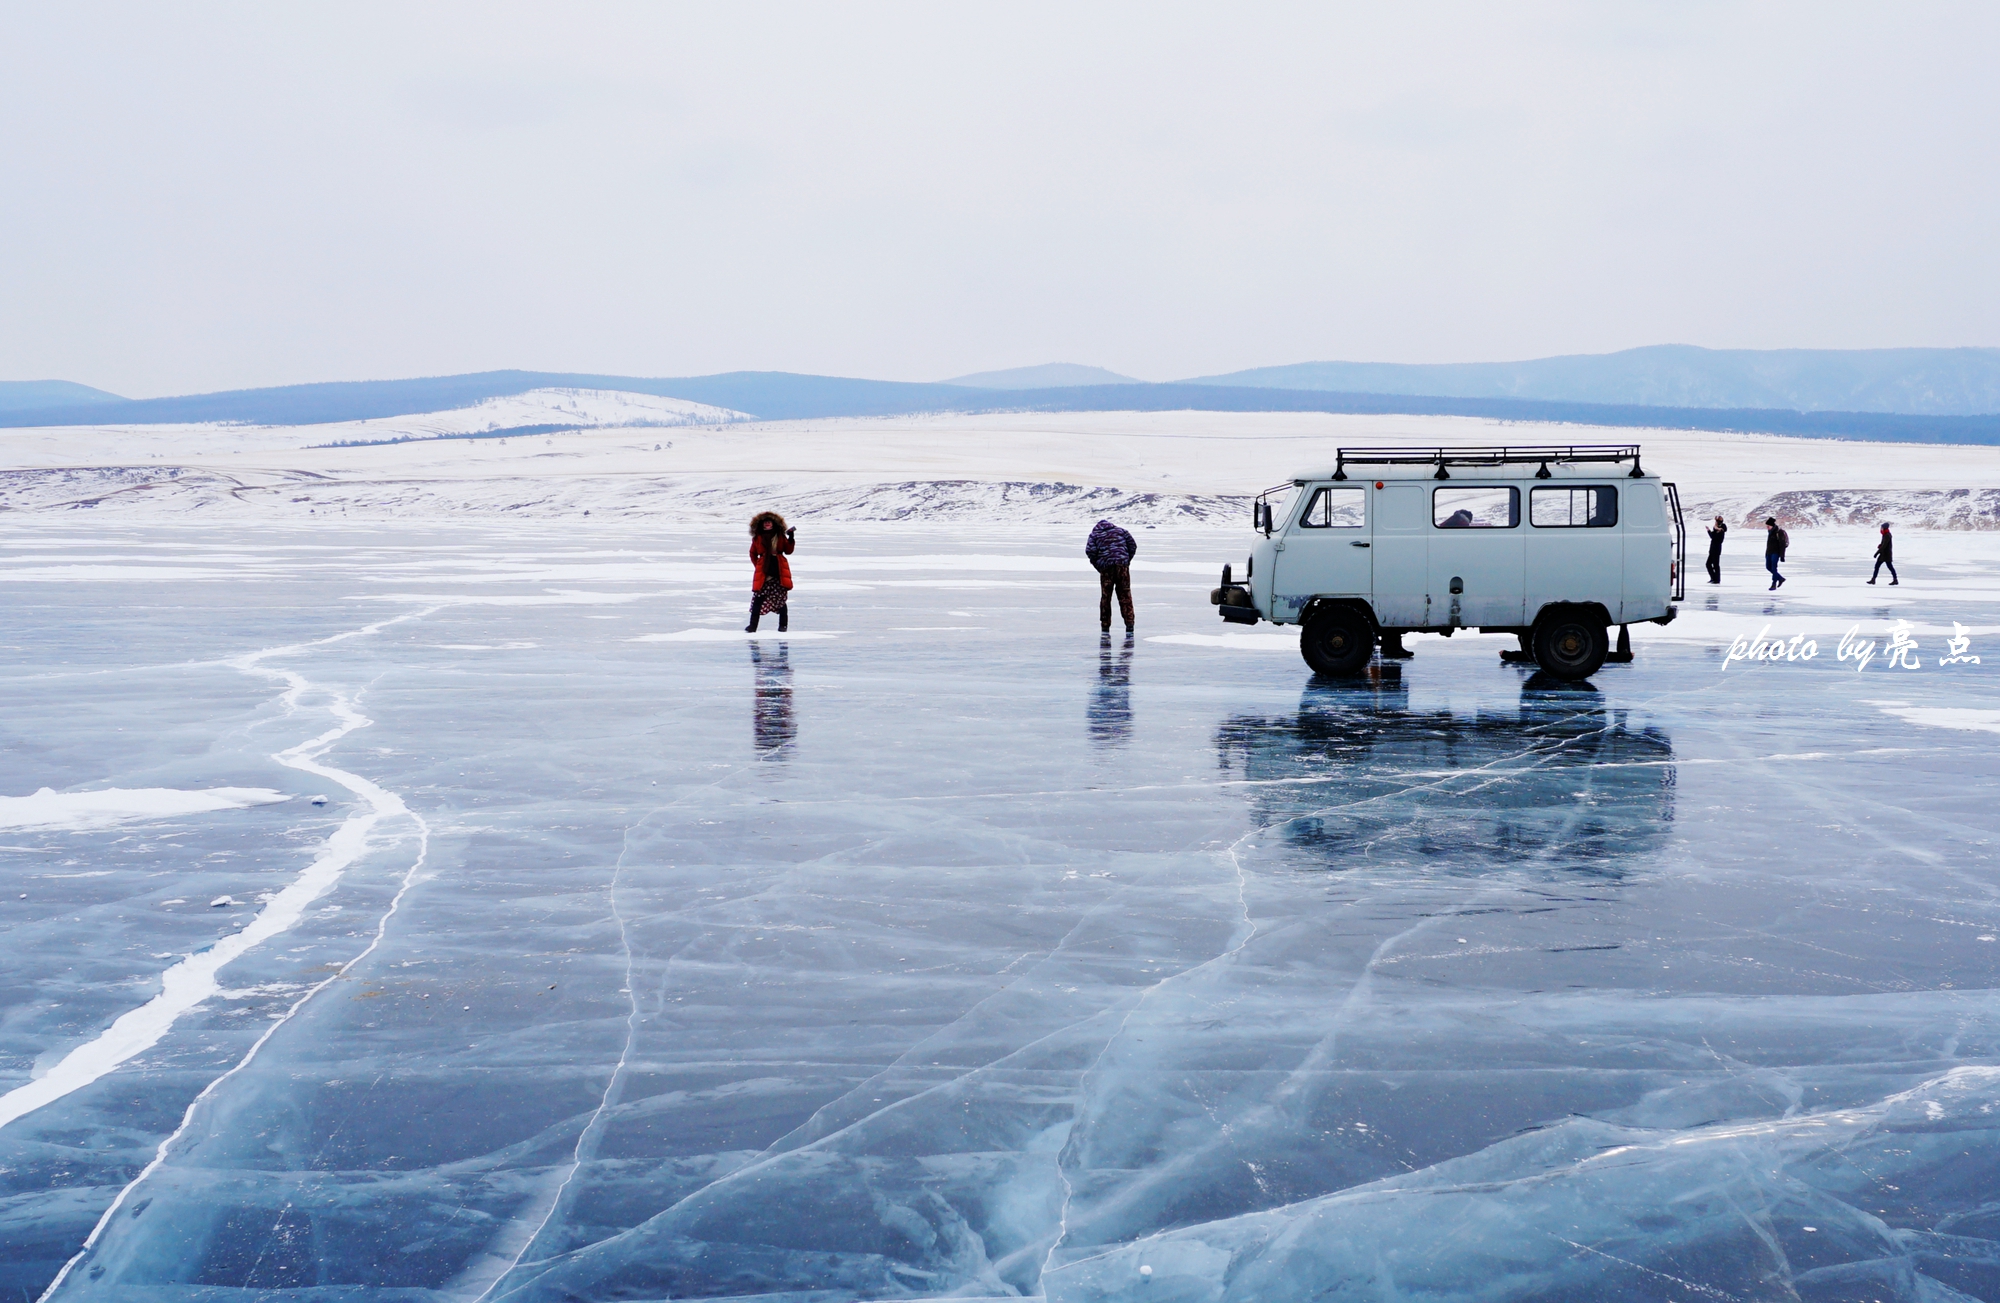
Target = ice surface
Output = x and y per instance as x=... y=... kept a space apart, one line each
x=968 y=954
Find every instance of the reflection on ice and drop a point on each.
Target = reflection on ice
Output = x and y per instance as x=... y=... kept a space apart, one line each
x=1111 y=697
x=1356 y=780
x=772 y=721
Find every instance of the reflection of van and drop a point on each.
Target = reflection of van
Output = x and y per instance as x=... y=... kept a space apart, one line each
x=1561 y=783
x=1555 y=545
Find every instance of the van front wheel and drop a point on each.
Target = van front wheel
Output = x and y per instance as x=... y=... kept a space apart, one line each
x=1336 y=642
x=1571 y=645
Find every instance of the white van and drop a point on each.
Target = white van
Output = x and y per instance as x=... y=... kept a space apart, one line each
x=1555 y=545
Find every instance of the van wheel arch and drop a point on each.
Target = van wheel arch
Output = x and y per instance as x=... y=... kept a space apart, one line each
x=1352 y=604
x=1591 y=610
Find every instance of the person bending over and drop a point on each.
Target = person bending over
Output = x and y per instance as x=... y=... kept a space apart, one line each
x=1111 y=550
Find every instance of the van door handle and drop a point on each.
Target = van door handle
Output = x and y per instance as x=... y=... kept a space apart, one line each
x=1355 y=543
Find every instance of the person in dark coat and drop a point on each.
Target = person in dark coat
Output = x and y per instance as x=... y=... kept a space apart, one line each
x=1776 y=541
x=1111 y=550
x=1715 y=533
x=771 y=580
x=1885 y=555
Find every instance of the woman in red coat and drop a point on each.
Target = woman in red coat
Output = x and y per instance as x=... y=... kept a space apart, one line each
x=770 y=543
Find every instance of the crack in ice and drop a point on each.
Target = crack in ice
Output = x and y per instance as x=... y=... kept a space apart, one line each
x=193 y=980
x=593 y=1131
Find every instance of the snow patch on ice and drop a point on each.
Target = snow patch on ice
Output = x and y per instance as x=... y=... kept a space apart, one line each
x=729 y=635
x=1231 y=641
x=52 y=811
x=1959 y=717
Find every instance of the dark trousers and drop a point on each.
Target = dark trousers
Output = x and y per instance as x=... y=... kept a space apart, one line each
x=1112 y=579
x=1771 y=564
x=1881 y=561
x=772 y=598
x=1715 y=567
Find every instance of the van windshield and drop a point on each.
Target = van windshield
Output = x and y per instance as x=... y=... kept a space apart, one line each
x=1279 y=499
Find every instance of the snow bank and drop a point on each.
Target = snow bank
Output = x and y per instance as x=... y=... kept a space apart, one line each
x=1962 y=508
x=52 y=811
x=175 y=492
x=563 y=453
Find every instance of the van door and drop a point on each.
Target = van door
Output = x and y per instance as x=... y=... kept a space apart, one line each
x=1575 y=546
x=1325 y=552
x=1401 y=533
x=1476 y=539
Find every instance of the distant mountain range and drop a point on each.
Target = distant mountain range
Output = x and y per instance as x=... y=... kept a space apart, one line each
x=1915 y=381
x=1928 y=395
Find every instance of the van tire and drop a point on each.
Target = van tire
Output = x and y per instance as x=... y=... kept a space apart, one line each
x=1570 y=644
x=1336 y=642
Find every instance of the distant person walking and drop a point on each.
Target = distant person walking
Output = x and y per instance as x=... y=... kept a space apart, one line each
x=771 y=581
x=1885 y=555
x=1715 y=533
x=1776 y=541
x=1111 y=550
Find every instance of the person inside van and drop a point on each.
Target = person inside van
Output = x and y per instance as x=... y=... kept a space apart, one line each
x=1776 y=541
x=1460 y=519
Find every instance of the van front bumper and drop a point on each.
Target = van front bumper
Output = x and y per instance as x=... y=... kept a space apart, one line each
x=1233 y=600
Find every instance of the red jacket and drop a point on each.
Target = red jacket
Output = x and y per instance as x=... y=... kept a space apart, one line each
x=784 y=545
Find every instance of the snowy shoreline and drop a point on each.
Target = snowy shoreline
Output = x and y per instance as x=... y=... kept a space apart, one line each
x=565 y=454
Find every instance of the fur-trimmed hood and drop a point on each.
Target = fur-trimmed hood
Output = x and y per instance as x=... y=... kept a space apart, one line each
x=777 y=521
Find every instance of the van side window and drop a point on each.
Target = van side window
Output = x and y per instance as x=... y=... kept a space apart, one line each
x=1596 y=505
x=1335 y=509
x=1470 y=508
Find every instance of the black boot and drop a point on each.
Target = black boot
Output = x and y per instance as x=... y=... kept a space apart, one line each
x=784 y=619
x=755 y=615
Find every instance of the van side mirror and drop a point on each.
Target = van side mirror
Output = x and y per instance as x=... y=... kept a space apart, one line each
x=1260 y=518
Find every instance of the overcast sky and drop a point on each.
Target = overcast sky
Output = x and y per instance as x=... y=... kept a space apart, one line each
x=199 y=197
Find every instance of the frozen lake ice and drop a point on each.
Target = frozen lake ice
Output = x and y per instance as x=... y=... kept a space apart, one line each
x=943 y=948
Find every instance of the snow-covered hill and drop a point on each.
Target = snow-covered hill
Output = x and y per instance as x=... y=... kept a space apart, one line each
x=535 y=411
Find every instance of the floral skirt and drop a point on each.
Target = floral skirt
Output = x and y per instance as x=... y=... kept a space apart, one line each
x=771 y=599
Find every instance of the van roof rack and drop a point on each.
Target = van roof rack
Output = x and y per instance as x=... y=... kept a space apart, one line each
x=1484 y=456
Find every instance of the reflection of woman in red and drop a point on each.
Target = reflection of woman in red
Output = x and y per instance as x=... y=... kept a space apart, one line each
x=770 y=543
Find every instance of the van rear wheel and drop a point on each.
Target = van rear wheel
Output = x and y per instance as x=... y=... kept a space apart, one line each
x=1337 y=642
x=1570 y=645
